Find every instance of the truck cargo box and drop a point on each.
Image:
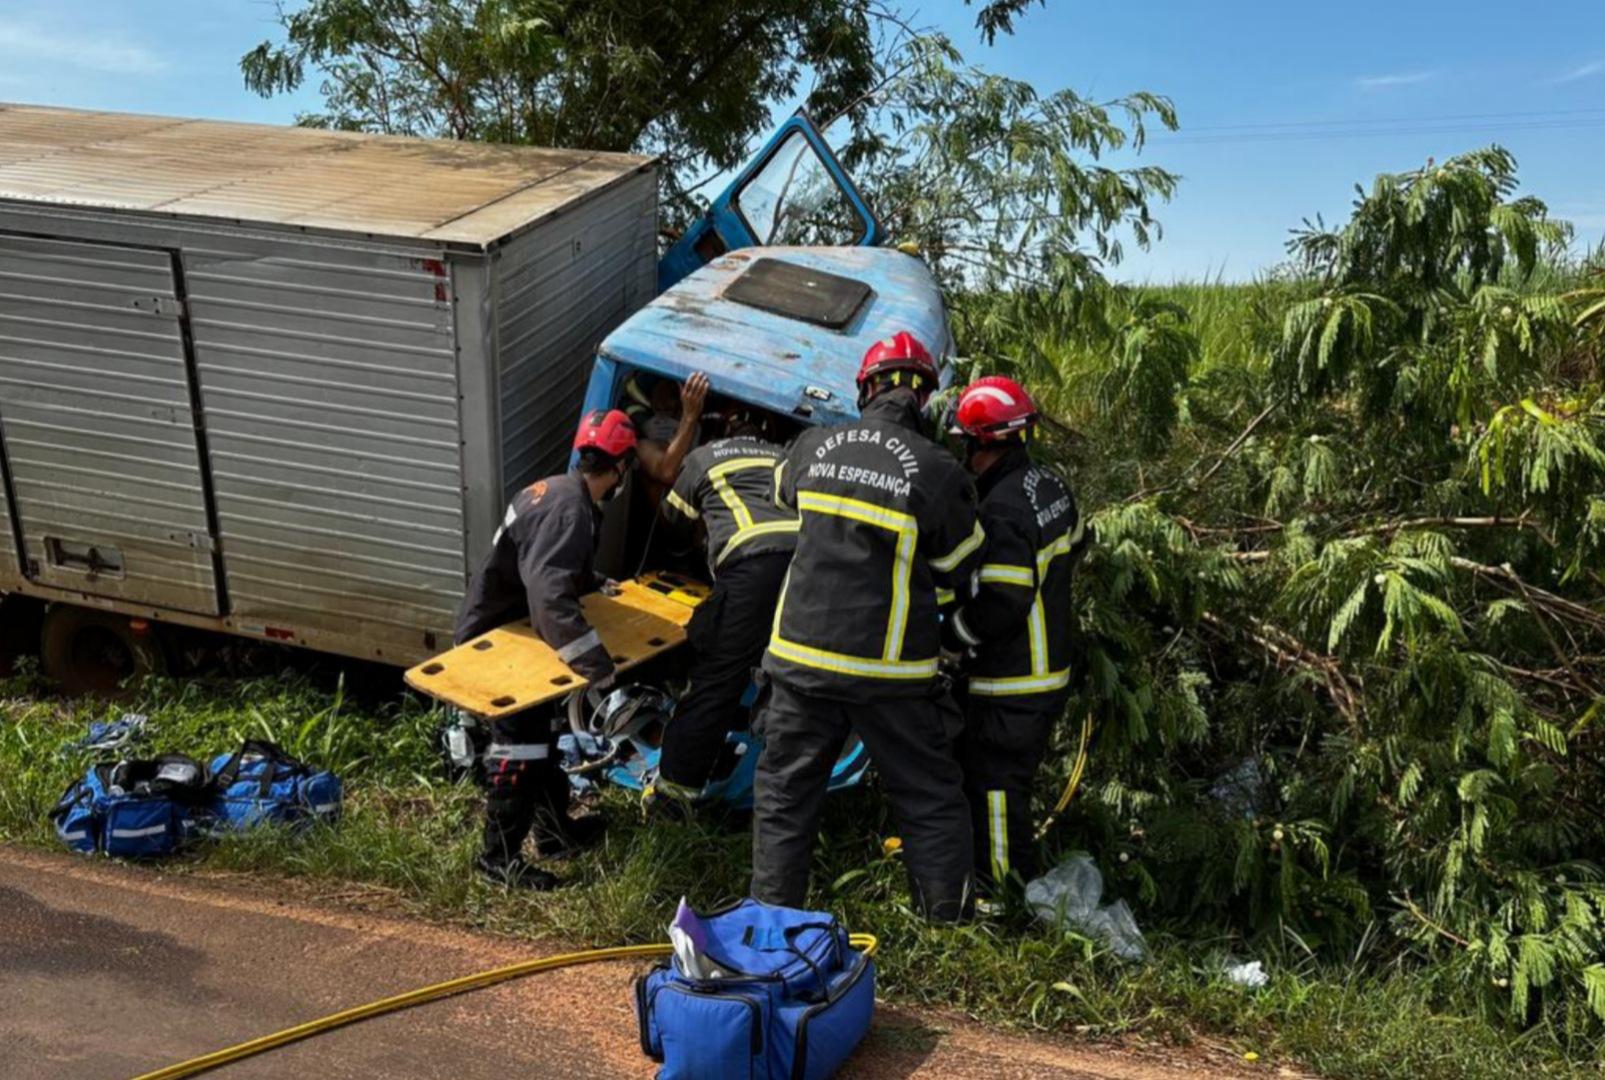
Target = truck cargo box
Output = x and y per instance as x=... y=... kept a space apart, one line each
x=281 y=381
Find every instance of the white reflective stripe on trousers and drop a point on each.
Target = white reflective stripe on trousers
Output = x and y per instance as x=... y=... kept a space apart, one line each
x=518 y=752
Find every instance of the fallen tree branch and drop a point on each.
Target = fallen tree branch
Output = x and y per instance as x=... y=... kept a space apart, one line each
x=1421 y=917
x=1558 y=606
x=1225 y=456
x=1237 y=443
x=1345 y=690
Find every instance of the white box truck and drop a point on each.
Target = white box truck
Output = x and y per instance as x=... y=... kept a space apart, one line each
x=279 y=382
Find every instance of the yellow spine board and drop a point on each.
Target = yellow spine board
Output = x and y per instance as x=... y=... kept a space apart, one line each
x=510 y=669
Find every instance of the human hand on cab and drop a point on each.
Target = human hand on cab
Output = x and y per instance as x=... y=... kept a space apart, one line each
x=693 y=396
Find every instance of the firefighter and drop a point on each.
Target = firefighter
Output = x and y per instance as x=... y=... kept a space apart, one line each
x=729 y=486
x=1013 y=628
x=540 y=563
x=887 y=519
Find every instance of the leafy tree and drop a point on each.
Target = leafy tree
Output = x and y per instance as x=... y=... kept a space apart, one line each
x=980 y=171
x=693 y=82
x=1345 y=629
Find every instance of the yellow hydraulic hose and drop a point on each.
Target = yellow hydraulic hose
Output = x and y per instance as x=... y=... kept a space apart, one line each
x=865 y=943
x=1074 y=781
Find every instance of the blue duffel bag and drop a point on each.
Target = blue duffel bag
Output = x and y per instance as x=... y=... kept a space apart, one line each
x=259 y=783
x=133 y=809
x=794 y=1002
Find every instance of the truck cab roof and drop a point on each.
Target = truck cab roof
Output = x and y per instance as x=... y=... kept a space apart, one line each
x=785 y=328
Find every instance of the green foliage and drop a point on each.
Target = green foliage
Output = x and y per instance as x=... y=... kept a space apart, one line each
x=693 y=82
x=987 y=176
x=1360 y=570
x=408 y=841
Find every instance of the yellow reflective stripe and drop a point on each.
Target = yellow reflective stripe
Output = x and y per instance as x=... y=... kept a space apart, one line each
x=907 y=529
x=1038 y=624
x=1021 y=684
x=997 y=827
x=761 y=529
x=1059 y=547
x=684 y=507
x=780 y=474
x=716 y=476
x=902 y=571
x=848 y=665
x=965 y=634
x=1079 y=531
x=740 y=463
x=738 y=509
x=1004 y=574
x=945 y=596
x=857 y=509
x=957 y=555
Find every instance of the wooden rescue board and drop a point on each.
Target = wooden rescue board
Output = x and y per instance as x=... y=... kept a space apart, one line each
x=510 y=669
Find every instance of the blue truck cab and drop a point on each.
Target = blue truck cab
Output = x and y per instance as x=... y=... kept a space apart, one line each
x=775 y=295
x=777 y=291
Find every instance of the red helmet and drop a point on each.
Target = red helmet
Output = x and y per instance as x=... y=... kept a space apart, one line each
x=606 y=430
x=900 y=352
x=993 y=408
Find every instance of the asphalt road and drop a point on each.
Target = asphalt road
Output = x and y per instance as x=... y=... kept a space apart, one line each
x=109 y=971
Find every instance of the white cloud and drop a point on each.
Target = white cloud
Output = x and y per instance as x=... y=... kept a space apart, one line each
x=1403 y=78
x=1586 y=71
x=23 y=45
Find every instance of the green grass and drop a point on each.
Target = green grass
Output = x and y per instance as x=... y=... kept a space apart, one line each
x=409 y=838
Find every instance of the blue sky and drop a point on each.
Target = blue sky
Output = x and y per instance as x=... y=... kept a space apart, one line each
x=1284 y=105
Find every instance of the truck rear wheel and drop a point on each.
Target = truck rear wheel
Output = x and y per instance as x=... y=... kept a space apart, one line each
x=19 y=630
x=97 y=652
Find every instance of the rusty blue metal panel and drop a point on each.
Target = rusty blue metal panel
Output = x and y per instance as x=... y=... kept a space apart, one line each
x=781 y=364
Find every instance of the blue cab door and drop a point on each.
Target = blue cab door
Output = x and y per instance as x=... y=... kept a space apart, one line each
x=794 y=192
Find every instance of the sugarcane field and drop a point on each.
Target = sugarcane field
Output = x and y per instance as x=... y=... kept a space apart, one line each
x=775 y=539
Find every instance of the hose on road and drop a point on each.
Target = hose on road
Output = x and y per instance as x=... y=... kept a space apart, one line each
x=866 y=943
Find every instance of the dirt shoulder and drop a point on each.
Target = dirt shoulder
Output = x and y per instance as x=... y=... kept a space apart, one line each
x=111 y=971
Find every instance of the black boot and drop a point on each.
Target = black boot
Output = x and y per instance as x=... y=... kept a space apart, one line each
x=516 y=874
x=567 y=835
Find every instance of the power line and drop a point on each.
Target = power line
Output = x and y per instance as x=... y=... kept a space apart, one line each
x=1374 y=121
x=1375 y=132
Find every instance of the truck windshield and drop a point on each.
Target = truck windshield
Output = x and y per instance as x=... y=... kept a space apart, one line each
x=794 y=199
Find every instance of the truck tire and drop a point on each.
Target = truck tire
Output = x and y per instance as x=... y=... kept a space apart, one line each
x=85 y=651
x=20 y=618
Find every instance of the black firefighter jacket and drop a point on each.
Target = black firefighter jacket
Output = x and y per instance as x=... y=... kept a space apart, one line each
x=888 y=518
x=539 y=566
x=1015 y=624
x=729 y=484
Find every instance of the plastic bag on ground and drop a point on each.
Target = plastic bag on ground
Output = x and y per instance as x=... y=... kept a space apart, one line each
x=1067 y=896
x=1251 y=974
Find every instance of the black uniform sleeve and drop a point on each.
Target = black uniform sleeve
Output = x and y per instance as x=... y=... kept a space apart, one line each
x=951 y=536
x=1006 y=585
x=553 y=564
x=685 y=498
x=786 y=477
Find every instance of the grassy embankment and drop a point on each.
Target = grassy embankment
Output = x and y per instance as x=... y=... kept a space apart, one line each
x=409 y=838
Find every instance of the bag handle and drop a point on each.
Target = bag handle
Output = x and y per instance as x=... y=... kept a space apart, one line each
x=791 y=933
x=269 y=752
x=76 y=793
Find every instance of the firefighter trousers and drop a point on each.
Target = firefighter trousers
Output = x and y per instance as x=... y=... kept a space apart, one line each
x=524 y=783
x=727 y=634
x=1003 y=744
x=910 y=741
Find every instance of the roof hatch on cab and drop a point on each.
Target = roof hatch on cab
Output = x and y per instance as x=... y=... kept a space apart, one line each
x=783 y=328
x=777 y=292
